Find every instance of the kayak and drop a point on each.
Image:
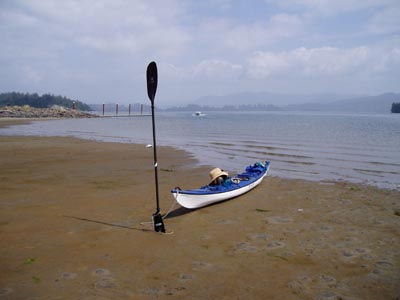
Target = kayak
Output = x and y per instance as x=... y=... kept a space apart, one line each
x=232 y=187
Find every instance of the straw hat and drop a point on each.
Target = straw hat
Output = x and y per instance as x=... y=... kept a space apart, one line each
x=217 y=172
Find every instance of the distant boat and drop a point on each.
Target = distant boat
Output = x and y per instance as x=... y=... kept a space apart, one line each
x=198 y=114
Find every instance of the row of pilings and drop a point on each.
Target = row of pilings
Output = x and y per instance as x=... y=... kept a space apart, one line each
x=115 y=110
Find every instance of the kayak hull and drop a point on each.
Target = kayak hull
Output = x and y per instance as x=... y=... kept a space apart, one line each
x=241 y=184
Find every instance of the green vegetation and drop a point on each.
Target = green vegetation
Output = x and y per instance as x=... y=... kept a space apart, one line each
x=29 y=261
x=36 y=279
x=396 y=107
x=44 y=101
x=262 y=210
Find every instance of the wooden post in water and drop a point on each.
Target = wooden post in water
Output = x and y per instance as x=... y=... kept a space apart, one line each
x=129 y=109
x=103 y=109
x=141 y=109
x=116 y=109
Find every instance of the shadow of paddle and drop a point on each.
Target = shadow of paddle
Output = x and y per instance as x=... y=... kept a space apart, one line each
x=107 y=224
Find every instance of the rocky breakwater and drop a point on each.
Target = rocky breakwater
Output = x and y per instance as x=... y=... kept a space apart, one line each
x=55 y=111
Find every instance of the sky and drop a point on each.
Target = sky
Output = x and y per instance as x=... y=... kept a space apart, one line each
x=97 y=51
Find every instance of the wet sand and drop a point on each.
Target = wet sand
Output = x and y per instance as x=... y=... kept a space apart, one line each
x=70 y=228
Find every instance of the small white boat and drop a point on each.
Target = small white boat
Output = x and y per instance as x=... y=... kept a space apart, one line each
x=198 y=114
x=209 y=194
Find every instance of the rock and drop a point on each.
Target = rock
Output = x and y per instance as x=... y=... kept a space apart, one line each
x=68 y=275
x=278 y=220
x=275 y=245
x=245 y=247
x=101 y=272
x=328 y=280
x=186 y=277
x=5 y=291
x=55 y=111
x=328 y=295
x=105 y=283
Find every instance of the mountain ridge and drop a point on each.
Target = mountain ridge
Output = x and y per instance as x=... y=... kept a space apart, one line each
x=280 y=99
x=314 y=102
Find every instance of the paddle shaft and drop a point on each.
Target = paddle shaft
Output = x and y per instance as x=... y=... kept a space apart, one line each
x=155 y=158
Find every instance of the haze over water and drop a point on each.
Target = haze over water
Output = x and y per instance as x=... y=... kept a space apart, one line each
x=313 y=146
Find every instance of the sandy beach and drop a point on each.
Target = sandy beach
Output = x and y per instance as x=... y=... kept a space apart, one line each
x=72 y=216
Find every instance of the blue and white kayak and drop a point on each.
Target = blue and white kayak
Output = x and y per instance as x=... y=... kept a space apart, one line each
x=233 y=187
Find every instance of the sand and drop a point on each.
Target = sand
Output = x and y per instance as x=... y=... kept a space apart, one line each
x=70 y=228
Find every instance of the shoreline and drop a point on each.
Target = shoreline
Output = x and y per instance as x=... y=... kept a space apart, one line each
x=7 y=122
x=71 y=213
x=55 y=111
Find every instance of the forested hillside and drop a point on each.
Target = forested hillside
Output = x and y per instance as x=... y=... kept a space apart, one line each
x=396 y=107
x=43 y=101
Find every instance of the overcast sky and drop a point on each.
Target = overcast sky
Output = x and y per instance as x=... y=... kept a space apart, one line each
x=98 y=51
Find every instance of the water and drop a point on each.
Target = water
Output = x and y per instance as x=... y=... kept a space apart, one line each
x=312 y=146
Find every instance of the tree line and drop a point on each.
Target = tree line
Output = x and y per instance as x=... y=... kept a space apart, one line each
x=240 y=107
x=43 y=101
x=396 y=107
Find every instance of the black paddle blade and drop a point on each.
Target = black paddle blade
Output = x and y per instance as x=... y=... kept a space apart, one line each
x=158 y=222
x=151 y=76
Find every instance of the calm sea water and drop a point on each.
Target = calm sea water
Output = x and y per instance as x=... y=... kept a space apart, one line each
x=313 y=146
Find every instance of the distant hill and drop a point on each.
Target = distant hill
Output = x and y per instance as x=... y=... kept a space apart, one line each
x=371 y=104
x=240 y=107
x=313 y=102
x=264 y=98
x=43 y=101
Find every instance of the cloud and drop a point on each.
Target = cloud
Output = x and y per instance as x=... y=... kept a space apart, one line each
x=209 y=69
x=385 y=21
x=330 y=8
x=100 y=49
x=31 y=75
x=386 y=61
x=264 y=64
x=227 y=35
x=214 y=68
x=117 y=26
x=323 y=62
x=382 y=16
x=329 y=60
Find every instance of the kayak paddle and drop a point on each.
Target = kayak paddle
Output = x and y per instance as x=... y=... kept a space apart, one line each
x=152 y=79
